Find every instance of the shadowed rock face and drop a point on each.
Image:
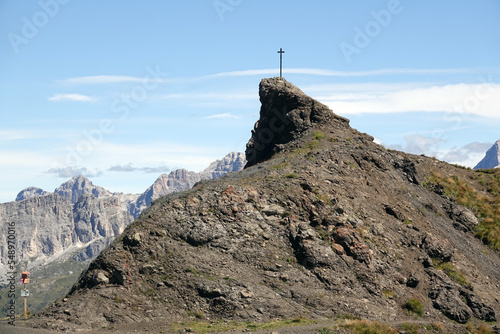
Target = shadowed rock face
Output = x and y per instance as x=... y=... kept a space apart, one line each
x=328 y=223
x=491 y=159
x=286 y=113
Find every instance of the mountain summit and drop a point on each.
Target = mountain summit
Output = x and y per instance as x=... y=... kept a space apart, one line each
x=491 y=159
x=285 y=114
x=323 y=223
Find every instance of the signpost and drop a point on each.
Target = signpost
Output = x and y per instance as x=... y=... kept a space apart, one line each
x=25 y=292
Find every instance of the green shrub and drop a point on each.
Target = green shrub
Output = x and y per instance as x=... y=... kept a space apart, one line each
x=414 y=306
x=318 y=135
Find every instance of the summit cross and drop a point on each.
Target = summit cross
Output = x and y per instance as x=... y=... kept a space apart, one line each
x=281 y=62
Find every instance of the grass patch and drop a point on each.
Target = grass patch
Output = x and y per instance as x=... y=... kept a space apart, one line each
x=199 y=326
x=389 y=294
x=291 y=176
x=485 y=206
x=456 y=275
x=481 y=329
x=279 y=166
x=413 y=306
x=318 y=135
x=369 y=327
x=410 y=328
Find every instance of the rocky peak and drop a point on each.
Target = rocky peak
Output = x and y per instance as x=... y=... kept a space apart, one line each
x=286 y=112
x=78 y=186
x=491 y=159
x=232 y=162
x=30 y=192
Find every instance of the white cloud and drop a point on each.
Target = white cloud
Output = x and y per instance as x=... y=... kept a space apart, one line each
x=212 y=96
x=224 y=115
x=71 y=97
x=326 y=72
x=70 y=171
x=477 y=99
x=468 y=155
x=108 y=79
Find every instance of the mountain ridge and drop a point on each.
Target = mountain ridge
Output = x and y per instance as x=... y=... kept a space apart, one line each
x=323 y=223
x=70 y=226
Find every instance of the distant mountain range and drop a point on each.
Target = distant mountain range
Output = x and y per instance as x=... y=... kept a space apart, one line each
x=491 y=159
x=65 y=229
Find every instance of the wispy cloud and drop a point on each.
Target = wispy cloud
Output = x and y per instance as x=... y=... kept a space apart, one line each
x=224 y=115
x=71 y=97
x=65 y=172
x=105 y=79
x=332 y=73
x=206 y=96
x=148 y=170
x=476 y=99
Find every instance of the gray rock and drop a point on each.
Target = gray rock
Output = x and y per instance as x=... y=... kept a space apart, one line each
x=436 y=248
x=491 y=159
x=286 y=113
x=30 y=192
x=448 y=301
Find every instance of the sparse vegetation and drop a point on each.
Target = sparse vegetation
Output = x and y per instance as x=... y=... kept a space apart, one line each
x=389 y=294
x=455 y=274
x=279 y=166
x=413 y=306
x=485 y=206
x=291 y=176
x=410 y=328
x=318 y=135
x=199 y=326
x=369 y=327
x=481 y=329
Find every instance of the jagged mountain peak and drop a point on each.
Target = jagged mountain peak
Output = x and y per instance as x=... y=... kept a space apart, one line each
x=491 y=159
x=79 y=185
x=232 y=162
x=30 y=192
x=285 y=114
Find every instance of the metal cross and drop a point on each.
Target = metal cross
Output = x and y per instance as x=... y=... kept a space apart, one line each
x=281 y=62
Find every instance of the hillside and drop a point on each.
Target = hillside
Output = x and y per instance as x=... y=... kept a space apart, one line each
x=58 y=233
x=322 y=223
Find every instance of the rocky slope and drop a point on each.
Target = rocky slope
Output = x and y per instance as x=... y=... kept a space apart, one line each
x=321 y=223
x=491 y=159
x=61 y=232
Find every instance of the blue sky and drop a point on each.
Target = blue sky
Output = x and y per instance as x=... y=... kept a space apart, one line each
x=122 y=91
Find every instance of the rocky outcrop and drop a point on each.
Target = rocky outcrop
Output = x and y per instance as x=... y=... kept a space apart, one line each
x=322 y=222
x=491 y=159
x=286 y=112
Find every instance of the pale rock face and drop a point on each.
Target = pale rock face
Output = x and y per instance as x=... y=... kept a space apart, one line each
x=80 y=219
x=182 y=179
x=491 y=159
x=30 y=192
